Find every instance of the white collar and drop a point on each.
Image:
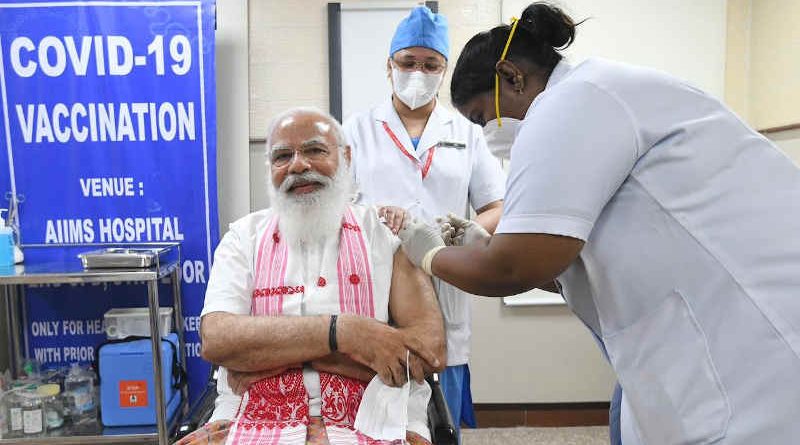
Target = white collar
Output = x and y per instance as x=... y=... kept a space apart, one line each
x=560 y=71
x=386 y=112
x=558 y=74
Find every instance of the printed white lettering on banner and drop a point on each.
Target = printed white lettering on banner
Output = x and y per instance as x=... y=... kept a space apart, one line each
x=59 y=231
x=47 y=355
x=45 y=328
x=78 y=353
x=116 y=230
x=21 y=68
x=99 y=187
x=52 y=55
x=72 y=327
x=60 y=64
x=194 y=271
x=191 y=324
x=193 y=349
x=134 y=229
x=95 y=326
x=106 y=122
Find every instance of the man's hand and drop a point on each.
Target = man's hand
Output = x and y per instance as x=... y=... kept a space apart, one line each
x=419 y=239
x=239 y=381
x=383 y=348
x=393 y=217
x=418 y=368
x=338 y=363
x=212 y=433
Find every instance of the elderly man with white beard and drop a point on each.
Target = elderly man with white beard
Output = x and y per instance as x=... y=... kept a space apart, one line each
x=299 y=302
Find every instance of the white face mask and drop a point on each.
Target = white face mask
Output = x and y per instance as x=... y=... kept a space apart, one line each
x=415 y=88
x=500 y=139
x=383 y=413
x=387 y=413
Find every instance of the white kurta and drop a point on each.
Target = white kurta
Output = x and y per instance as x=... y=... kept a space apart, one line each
x=231 y=285
x=461 y=174
x=690 y=268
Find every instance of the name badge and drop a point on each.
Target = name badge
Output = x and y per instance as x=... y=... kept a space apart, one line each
x=452 y=144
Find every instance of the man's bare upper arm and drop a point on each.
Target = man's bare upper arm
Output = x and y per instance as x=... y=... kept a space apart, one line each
x=413 y=304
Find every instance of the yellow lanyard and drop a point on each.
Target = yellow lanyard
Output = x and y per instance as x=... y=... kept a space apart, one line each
x=514 y=22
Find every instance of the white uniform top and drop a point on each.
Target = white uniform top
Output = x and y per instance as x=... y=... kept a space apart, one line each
x=461 y=173
x=691 y=268
x=231 y=285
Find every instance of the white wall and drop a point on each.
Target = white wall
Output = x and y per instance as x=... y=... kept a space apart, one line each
x=738 y=57
x=233 y=163
x=763 y=61
x=775 y=63
x=685 y=38
x=789 y=142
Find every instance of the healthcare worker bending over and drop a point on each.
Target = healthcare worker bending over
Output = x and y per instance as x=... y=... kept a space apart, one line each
x=412 y=152
x=672 y=228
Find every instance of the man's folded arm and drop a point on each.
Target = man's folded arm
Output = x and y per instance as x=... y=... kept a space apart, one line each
x=242 y=342
x=338 y=363
x=233 y=338
x=251 y=343
x=248 y=343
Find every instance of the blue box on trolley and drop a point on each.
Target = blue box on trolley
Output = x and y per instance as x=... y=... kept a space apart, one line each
x=127 y=390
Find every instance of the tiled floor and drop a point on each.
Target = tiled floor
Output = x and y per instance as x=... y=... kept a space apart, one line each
x=593 y=435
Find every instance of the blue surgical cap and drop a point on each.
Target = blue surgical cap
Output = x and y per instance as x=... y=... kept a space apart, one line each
x=422 y=28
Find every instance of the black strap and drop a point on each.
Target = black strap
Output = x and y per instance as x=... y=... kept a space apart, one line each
x=178 y=373
x=332 y=343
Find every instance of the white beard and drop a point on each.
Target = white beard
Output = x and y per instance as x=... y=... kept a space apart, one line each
x=313 y=217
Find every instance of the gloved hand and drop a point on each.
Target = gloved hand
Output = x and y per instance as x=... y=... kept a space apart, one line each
x=419 y=240
x=461 y=231
x=449 y=233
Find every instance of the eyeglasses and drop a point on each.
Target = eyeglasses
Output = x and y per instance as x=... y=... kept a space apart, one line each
x=427 y=66
x=281 y=157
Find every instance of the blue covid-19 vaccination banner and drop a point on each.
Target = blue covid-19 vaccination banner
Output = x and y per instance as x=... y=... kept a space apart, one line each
x=107 y=130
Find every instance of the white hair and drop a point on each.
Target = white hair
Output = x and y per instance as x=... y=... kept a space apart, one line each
x=338 y=131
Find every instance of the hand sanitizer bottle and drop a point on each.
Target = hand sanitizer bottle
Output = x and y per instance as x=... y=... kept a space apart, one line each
x=6 y=242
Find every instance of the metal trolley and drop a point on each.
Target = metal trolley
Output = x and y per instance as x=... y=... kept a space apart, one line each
x=70 y=270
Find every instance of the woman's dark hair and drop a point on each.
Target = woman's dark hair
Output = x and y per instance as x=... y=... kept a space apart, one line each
x=542 y=31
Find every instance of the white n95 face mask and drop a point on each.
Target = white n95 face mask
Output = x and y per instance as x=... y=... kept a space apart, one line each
x=415 y=88
x=500 y=139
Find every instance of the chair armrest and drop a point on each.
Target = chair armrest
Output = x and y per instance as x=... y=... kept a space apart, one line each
x=200 y=412
x=441 y=423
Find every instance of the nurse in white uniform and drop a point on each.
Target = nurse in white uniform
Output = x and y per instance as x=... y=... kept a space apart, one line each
x=412 y=152
x=672 y=228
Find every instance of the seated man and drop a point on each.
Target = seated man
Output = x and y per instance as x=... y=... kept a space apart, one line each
x=299 y=298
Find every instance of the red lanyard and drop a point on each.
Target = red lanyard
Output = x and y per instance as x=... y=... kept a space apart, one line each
x=424 y=168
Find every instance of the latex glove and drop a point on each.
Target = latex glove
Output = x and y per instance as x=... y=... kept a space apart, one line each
x=466 y=231
x=450 y=234
x=421 y=240
x=447 y=230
